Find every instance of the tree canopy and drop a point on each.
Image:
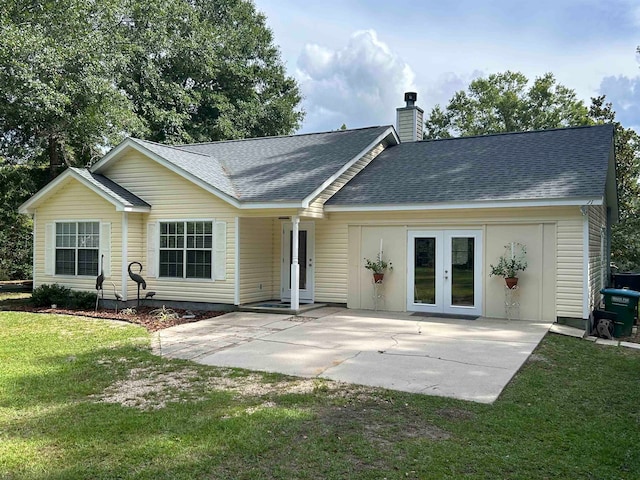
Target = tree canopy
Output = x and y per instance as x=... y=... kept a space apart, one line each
x=76 y=77
x=504 y=102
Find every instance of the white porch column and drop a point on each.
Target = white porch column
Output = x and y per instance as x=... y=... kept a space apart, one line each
x=295 y=266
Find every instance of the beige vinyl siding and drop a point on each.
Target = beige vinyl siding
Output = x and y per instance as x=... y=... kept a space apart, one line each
x=257 y=259
x=597 y=264
x=75 y=202
x=136 y=252
x=410 y=120
x=558 y=232
x=331 y=262
x=278 y=263
x=173 y=198
x=570 y=272
x=316 y=209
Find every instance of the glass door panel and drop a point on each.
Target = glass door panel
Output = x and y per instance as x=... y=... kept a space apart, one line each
x=424 y=285
x=463 y=271
x=444 y=271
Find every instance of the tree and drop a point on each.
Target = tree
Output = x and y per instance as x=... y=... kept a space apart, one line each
x=17 y=182
x=503 y=102
x=205 y=70
x=76 y=77
x=625 y=235
x=58 y=103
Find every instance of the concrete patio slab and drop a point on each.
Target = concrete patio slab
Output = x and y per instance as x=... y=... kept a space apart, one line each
x=470 y=360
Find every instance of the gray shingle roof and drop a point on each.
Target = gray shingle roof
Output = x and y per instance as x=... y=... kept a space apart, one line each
x=547 y=164
x=203 y=166
x=111 y=188
x=272 y=169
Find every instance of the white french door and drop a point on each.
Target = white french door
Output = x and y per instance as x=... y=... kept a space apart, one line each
x=445 y=271
x=306 y=252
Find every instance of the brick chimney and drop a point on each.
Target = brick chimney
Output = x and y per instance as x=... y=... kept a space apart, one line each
x=409 y=119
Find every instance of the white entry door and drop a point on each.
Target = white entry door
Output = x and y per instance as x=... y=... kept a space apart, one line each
x=445 y=271
x=306 y=252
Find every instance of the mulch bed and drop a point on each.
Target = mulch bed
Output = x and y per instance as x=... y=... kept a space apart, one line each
x=142 y=316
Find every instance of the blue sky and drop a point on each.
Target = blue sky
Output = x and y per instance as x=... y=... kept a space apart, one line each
x=354 y=59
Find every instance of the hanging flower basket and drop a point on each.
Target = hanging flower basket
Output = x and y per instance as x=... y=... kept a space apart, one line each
x=378 y=277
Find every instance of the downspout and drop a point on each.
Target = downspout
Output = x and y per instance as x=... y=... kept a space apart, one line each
x=586 y=287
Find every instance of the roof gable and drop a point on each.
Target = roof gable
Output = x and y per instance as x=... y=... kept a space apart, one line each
x=569 y=163
x=120 y=197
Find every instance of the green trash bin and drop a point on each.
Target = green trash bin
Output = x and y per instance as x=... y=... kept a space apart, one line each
x=625 y=304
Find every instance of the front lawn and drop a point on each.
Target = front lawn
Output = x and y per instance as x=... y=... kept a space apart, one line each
x=84 y=398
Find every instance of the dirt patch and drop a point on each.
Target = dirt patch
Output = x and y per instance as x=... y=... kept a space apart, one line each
x=150 y=388
x=139 y=316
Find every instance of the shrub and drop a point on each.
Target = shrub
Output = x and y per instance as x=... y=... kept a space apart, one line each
x=82 y=300
x=63 y=297
x=47 y=295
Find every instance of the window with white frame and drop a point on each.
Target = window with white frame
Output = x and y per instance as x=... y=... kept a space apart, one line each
x=77 y=248
x=186 y=249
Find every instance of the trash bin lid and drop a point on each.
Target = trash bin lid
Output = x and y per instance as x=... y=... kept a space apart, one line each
x=620 y=292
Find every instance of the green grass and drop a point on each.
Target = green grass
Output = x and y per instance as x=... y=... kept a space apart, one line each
x=572 y=412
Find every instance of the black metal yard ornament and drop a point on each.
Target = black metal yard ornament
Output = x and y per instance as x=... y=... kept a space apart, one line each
x=136 y=277
x=99 y=282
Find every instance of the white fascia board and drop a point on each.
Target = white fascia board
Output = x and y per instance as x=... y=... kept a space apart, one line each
x=269 y=205
x=466 y=205
x=111 y=154
x=109 y=157
x=348 y=165
x=136 y=209
x=27 y=207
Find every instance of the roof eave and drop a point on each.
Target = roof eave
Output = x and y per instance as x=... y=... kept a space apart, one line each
x=559 y=202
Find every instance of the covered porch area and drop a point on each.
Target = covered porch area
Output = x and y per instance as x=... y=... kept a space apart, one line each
x=275 y=264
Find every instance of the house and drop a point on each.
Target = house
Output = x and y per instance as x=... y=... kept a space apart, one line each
x=292 y=218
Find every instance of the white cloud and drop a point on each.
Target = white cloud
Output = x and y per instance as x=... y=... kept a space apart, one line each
x=360 y=84
x=624 y=93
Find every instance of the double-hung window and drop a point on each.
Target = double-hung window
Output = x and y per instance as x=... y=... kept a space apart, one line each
x=186 y=249
x=77 y=248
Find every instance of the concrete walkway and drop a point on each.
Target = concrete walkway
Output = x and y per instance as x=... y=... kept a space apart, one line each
x=469 y=360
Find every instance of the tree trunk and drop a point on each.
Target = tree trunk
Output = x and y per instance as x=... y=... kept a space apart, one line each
x=53 y=156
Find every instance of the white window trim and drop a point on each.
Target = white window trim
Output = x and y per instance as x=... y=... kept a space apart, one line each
x=184 y=266
x=55 y=247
